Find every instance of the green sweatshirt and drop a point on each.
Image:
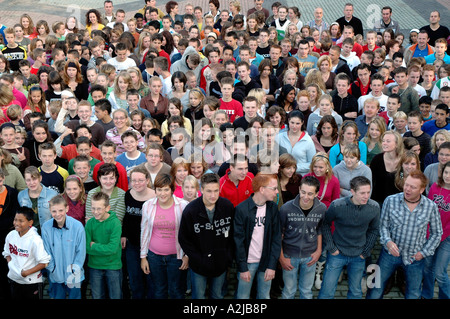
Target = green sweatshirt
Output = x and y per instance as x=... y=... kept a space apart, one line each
x=106 y=251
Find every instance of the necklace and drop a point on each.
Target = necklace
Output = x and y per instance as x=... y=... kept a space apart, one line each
x=411 y=202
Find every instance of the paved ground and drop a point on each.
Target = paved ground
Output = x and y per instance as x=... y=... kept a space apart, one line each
x=410 y=13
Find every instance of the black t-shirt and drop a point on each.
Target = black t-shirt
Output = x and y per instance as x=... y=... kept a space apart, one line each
x=265 y=52
x=441 y=32
x=14 y=56
x=131 y=228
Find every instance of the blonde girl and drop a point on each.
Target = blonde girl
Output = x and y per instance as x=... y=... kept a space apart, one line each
x=137 y=81
x=118 y=97
x=376 y=129
x=320 y=168
x=261 y=98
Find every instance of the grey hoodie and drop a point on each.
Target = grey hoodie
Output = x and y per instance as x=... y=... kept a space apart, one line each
x=181 y=65
x=344 y=175
x=300 y=232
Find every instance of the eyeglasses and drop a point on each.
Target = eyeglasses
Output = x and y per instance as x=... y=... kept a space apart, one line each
x=138 y=181
x=272 y=188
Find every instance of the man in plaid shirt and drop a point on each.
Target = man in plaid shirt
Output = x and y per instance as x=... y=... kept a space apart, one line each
x=405 y=218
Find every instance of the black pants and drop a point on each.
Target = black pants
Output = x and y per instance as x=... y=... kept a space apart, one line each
x=29 y=291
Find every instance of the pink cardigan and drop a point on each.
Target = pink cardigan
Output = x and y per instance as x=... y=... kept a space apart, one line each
x=148 y=216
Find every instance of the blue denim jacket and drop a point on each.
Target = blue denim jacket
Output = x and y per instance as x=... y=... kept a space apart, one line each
x=43 y=206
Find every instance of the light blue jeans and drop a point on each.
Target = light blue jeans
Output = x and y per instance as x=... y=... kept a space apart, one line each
x=436 y=269
x=263 y=287
x=334 y=266
x=303 y=275
x=387 y=266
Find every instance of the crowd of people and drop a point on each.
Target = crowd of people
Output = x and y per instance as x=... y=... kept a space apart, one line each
x=147 y=157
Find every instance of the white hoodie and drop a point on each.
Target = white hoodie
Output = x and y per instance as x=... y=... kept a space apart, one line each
x=25 y=252
x=352 y=60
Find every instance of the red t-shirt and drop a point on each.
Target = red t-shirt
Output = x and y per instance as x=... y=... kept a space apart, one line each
x=233 y=109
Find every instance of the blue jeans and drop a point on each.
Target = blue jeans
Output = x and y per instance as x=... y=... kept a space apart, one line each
x=333 y=269
x=436 y=268
x=61 y=291
x=167 y=278
x=244 y=288
x=387 y=265
x=135 y=274
x=302 y=275
x=112 y=279
x=215 y=286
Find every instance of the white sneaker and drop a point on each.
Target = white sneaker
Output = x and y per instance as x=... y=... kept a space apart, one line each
x=319 y=270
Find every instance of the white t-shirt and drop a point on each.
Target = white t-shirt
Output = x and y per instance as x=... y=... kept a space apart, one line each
x=120 y=66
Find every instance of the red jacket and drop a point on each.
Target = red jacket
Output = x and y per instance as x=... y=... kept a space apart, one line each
x=123 y=177
x=236 y=195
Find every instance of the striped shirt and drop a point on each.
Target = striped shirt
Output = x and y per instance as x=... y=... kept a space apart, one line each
x=116 y=201
x=408 y=230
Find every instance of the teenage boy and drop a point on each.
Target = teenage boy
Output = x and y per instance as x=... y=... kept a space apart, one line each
x=132 y=157
x=345 y=104
x=246 y=83
x=26 y=257
x=415 y=122
x=425 y=108
x=59 y=30
x=65 y=241
x=348 y=55
x=82 y=166
x=109 y=154
x=353 y=238
x=84 y=113
x=40 y=59
x=231 y=39
x=213 y=55
x=12 y=51
x=206 y=236
x=361 y=86
x=227 y=103
x=444 y=95
x=121 y=61
x=102 y=111
x=392 y=106
x=440 y=122
x=257 y=237
x=338 y=65
x=306 y=61
x=376 y=92
x=264 y=45
x=409 y=96
x=104 y=249
x=84 y=148
x=133 y=99
x=400 y=122
x=440 y=47
x=301 y=250
x=157 y=40
x=250 y=108
x=371 y=38
x=281 y=23
x=53 y=176
x=414 y=75
x=236 y=184
x=161 y=65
